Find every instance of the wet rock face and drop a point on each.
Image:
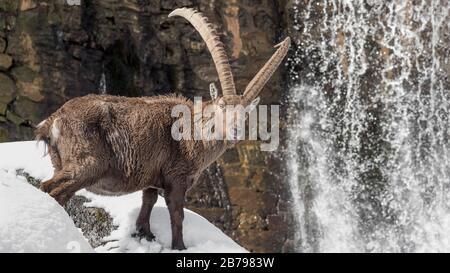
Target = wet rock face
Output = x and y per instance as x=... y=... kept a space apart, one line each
x=52 y=51
x=5 y=62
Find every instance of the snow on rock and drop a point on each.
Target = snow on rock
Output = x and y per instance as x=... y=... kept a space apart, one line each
x=199 y=234
x=27 y=155
x=32 y=221
x=26 y=214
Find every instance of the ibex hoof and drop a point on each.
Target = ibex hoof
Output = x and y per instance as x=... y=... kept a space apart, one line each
x=147 y=235
x=61 y=199
x=179 y=246
x=46 y=187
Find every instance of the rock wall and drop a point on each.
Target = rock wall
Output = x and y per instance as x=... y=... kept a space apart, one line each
x=54 y=50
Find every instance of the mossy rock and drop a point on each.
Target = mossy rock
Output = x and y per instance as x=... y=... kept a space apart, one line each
x=7 y=89
x=3 y=107
x=28 y=110
x=231 y=156
x=24 y=74
x=4 y=136
x=29 y=83
x=31 y=21
x=14 y=118
x=2 y=23
x=6 y=62
x=29 y=30
x=3 y=119
x=10 y=22
x=9 y=6
x=2 y=41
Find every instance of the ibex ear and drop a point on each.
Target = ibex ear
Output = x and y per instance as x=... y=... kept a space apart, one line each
x=213 y=91
x=254 y=103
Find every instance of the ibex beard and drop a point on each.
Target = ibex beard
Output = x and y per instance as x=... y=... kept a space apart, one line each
x=114 y=145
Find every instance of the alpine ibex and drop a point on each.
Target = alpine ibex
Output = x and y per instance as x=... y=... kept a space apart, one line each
x=115 y=145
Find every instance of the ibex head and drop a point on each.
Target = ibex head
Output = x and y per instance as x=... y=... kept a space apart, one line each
x=215 y=46
x=230 y=98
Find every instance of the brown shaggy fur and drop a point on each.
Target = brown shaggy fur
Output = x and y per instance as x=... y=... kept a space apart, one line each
x=116 y=145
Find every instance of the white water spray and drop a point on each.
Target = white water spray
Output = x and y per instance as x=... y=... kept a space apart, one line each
x=368 y=140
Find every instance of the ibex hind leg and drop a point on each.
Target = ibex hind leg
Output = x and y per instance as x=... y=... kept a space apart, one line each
x=174 y=195
x=49 y=185
x=54 y=182
x=149 y=197
x=55 y=158
x=75 y=178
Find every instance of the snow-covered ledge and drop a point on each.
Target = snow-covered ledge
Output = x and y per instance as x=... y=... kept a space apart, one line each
x=31 y=221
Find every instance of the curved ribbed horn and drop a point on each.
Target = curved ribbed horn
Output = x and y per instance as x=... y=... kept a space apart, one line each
x=215 y=46
x=254 y=87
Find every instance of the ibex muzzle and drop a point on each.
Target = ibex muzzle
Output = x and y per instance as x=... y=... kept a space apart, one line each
x=115 y=145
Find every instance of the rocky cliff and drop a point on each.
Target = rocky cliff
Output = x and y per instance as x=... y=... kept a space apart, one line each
x=54 y=50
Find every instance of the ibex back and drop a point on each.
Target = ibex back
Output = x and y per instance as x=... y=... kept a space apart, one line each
x=115 y=145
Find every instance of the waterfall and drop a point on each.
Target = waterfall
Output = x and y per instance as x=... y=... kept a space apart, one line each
x=368 y=145
x=102 y=85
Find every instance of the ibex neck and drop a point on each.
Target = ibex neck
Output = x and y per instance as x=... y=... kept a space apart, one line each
x=210 y=151
x=202 y=152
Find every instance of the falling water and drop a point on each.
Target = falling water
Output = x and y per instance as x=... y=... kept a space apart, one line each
x=102 y=85
x=368 y=135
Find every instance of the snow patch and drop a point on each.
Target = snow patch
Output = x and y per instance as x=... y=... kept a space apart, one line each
x=199 y=234
x=27 y=155
x=32 y=221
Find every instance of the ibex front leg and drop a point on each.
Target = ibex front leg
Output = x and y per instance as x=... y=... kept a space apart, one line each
x=149 y=197
x=174 y=196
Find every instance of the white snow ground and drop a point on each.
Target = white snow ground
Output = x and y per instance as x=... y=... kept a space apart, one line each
x=31 y=221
